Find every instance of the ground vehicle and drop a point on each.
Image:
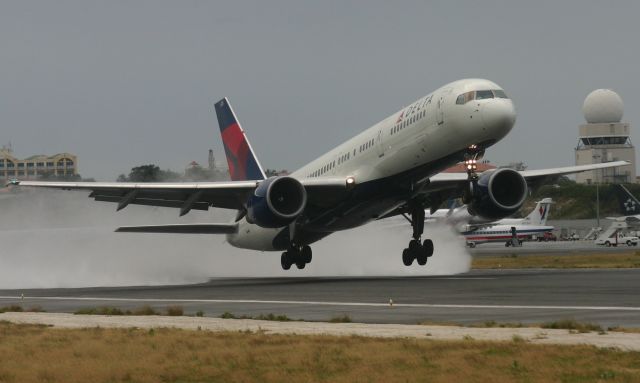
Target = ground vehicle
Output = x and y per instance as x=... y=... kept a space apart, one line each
x=547 y=236
x=618 y=239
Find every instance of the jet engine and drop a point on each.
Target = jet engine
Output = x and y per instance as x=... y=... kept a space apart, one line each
x=276 y=202
x=498 y=194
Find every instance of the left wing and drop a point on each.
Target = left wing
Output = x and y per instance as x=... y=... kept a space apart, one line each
x=188 y=195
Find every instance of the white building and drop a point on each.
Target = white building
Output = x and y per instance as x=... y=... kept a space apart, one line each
x=605 y=138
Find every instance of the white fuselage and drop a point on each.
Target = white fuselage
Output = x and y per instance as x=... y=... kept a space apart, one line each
x=502 y=233
x=429 y=130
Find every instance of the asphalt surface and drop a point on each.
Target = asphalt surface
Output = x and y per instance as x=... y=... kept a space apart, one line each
x=543 y=248
x=606 y=297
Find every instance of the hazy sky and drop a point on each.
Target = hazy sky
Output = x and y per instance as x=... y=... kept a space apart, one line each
x=124 y=83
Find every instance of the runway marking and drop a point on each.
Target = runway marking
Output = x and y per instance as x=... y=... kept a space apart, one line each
x=321 y=303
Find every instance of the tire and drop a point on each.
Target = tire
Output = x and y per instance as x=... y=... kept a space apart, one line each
x=407 y=257
x=607 y=244
x=285 y=261
x=306 y=254
x=300 y=265
x=507 y=244
x=629 y=243
x=472 y=245
x=427 y=248
x=414 y=246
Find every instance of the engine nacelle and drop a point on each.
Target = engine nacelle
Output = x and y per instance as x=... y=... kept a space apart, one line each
x=498 y=194
x=276 y=202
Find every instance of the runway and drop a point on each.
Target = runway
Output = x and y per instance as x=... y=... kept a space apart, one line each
x=544 y=248
x=606 y=297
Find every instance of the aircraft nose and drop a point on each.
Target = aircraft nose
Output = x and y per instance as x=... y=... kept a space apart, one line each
x=498 y=116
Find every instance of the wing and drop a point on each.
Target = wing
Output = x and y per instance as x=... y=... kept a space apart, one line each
x=446 y=180
x=451 y=185
x=188 y=196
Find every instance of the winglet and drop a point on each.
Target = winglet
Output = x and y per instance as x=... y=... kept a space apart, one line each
x=242 y=161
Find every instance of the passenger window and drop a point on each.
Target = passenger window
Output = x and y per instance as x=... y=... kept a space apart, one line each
x=483 y=94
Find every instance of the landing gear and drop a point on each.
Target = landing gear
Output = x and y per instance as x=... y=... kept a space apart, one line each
x=471 y=157
x=296 y=255
x=417 y=250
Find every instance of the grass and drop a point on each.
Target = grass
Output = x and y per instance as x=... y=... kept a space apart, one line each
x=625 y=260
x=173 y=355
x=571 y=324
x=144 y=310
x=270 y=316
x=18 y=308
x=344 y=318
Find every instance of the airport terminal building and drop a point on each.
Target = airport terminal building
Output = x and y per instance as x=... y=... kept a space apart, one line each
x=62 y=164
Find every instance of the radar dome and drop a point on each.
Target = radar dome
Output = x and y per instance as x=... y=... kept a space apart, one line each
x=603 y=106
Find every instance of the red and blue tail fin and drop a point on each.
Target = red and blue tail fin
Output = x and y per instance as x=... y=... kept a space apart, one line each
x=243 y=163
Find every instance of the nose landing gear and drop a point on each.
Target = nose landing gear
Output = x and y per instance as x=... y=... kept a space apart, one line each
x=471 y=157
x=298 y=255
x=417 y=250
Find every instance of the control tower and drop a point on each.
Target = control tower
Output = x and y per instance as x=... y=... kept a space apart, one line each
x=605 y=138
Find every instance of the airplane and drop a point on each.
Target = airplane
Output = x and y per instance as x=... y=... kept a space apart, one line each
x=503 y=230
x=392 y=168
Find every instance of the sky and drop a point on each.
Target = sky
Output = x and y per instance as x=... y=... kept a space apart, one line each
x=125 y=83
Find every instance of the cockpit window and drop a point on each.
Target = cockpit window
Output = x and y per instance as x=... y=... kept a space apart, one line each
x=483 y=94
x=499 y=93
x=465 y=97
x=480 y=95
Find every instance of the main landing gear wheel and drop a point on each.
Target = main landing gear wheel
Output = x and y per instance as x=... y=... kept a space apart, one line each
x=299 y=256
x=418 y=250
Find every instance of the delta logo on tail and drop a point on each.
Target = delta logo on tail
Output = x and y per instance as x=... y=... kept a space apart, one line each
x=543 y=211
x=242 y=161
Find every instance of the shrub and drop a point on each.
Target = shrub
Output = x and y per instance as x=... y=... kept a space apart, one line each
x=175 y=311
x=344 y=318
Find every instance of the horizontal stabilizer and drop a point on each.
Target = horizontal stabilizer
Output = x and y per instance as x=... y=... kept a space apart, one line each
x=198 y=228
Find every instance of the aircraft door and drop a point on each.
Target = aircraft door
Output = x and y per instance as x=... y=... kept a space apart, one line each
x=440 y=110
x=379 y=144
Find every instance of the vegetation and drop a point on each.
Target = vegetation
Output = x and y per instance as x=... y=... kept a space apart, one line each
x=144 y=310
x=571 y=324
x=622 y=260
x=270 y=316
x=173 y=355
x=344 y=318
x=153 y=173
x=577 y=201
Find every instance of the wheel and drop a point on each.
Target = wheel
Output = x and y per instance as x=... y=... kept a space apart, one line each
x=427 y=247
x=629 y=243
x=607 y=244
x=507 y=244
x=301 y=264
x=472 y=244
x=306 y=254
x=414 y=246
x=421 y=259
x=285 y=262
x=407 y=257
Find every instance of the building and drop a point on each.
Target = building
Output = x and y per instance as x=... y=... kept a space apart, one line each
x=62 y=165
x=604 y=138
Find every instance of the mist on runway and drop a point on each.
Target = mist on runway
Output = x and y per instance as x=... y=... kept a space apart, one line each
x=53 y=238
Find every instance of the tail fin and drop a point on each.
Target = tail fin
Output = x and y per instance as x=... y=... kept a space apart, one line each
x=539 y=215
x=629 y=205
x=242 y=161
